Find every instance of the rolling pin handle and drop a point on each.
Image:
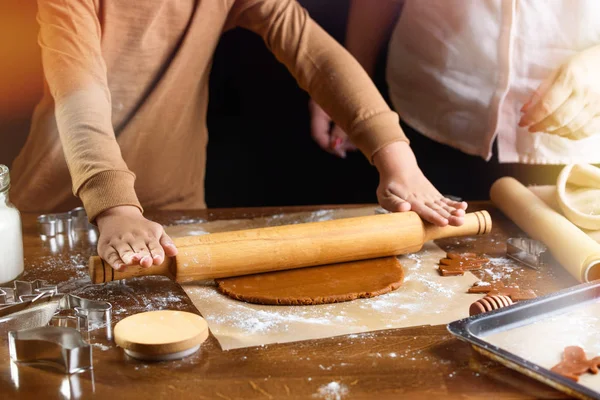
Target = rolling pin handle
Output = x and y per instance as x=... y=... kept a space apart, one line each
x=102 y=272
x=476 y=223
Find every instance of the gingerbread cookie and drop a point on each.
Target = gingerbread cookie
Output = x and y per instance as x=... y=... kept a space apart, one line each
x=457 y=264
x=575 y=363
x=498 y=288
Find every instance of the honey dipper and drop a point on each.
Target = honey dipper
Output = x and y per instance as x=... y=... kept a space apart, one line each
x=489 y=303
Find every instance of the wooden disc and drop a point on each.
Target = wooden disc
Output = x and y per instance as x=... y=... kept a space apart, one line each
x=317 y=285
x=160 y=334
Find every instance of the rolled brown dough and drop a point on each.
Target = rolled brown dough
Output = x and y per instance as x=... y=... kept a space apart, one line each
x=317 y=285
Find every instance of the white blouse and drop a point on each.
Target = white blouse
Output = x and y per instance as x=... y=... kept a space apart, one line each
x=460 y=70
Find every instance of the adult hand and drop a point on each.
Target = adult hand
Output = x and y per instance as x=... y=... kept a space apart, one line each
x=403 y=187
x=127 y=238
x=330 y=138
x=567 y=103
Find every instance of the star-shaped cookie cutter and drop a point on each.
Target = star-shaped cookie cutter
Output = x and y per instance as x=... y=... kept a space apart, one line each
x=25 y=290
x=50 y=328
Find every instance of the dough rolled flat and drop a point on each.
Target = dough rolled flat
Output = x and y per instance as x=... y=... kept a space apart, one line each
x=317 y=285
x=571 y=247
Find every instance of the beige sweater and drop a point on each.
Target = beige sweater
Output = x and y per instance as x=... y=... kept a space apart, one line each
x=123 y=118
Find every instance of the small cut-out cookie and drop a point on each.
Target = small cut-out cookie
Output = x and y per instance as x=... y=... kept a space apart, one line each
x=498 y=288
x=575 y=363
x=457 y=264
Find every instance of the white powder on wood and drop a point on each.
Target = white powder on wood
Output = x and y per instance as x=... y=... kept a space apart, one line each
x=260 y=321
x=187 y=221
x=101 y=346
x=332 y=391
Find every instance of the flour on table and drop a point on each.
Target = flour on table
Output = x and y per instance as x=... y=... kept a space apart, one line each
x=187 y=221
x=101 y=346
x=332 y=391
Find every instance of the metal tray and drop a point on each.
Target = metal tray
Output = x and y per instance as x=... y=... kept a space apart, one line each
x=474 y=329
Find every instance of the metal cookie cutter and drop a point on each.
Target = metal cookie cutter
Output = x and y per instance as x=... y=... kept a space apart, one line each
x=24 y=295
x=36 y=304
x=27 y=305
x=529 y=252
x=25 y=290
x=51 y=345
x=51 y=225
x=49 y=328
x=88 y=314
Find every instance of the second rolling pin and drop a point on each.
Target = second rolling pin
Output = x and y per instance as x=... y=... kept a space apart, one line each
x=571 y=247
x=251 y=251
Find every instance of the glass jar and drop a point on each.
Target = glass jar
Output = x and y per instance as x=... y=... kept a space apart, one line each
x=11 y=236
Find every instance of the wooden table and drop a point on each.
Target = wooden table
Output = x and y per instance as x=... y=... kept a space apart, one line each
x=414 y=362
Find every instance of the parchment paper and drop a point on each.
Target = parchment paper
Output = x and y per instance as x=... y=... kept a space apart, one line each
x=543 y=342
x=425 y=298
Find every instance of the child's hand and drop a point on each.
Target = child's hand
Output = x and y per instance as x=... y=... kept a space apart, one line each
x=330 y=138
x=127 y=238
x=403 y=187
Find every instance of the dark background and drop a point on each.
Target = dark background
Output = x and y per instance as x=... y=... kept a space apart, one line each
x=260 y=151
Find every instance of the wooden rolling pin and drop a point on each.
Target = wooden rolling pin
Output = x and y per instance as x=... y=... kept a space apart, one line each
x=251 y=251
x=571 y=247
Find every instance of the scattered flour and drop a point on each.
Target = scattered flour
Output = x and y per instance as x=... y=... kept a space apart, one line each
x=503 y=268
x=501 y=261
x=196 y=232
x=260 y=321
x=365 y=335
x=332 y=391
x=494 y=275
x=187 y=221
x=435 y=286
x=316 y=216
x=101 y=346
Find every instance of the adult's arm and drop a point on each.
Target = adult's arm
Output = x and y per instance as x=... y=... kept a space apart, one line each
x=369 y=26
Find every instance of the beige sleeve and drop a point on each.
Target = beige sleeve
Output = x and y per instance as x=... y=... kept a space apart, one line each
x=76 y=75
x=323 y=68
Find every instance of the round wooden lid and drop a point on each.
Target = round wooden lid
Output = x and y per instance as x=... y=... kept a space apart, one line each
x=155 y=334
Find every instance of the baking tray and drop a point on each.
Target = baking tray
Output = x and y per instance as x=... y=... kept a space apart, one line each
x=475 y=329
